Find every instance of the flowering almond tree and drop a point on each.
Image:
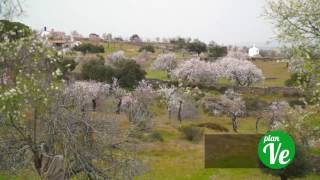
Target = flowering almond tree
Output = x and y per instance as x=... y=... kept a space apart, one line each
x=136 y=106
x=238 y=54
x=165 y=62
x=169 y=95
x=115 y=57
x=278 y=111
x=241 y=72
x=42 y=125
x=234 y=106
x=196 y=72
x=179 y=102
x=87 y=92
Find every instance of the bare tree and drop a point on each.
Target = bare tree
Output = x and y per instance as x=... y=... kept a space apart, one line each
x=10 y=9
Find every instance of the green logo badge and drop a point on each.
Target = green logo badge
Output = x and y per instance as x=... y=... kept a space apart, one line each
x=276 y=149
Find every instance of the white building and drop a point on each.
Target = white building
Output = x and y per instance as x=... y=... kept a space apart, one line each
x=44 y=33
x=253 y=52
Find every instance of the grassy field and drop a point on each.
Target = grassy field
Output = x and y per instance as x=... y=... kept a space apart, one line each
x=157 y=75
x=179 y=159
x=275 y=73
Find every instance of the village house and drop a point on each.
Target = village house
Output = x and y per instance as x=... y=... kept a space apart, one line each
x=59 y=40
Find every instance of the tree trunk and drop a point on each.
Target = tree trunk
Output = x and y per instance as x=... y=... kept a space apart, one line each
x=119 y=106
x=37 y=161
x=169 y=112
x=257 y=123
x=283 y=177
x=234 y=123
x=179 y=112
x=94 y=105
x=52 y=167
x=272 y=120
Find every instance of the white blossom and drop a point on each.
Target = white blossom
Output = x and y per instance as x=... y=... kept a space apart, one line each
x=238 y=54
x=165 y=62
x=242 y=72
x=196 y=72
x=297 y=66
x=115 y=57
x=234 y=106
x=85 y=91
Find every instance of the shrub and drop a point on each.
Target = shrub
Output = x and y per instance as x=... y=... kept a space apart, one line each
x=214 y=126
x=13 y=30
x=89 y=48
x=128 y=73
x=68 y=64
x=148 y=48
x=115 y=57
x=297 y=79
x=215 y=51
x=297 y=102
x=300 y=166
x=180 y=43
x=156 y=136
x=192 y=133
x=255 y=103
x=135 y=38
x=197 y=46
x=96 y=70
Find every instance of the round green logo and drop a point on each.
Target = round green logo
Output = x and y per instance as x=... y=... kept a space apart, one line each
x=276 y=149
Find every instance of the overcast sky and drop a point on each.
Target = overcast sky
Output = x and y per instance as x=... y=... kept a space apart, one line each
x=224 y=21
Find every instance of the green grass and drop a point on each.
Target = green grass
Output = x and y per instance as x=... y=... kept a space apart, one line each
x=275 y=73
x=21 y=175
x=179 y=159
x=162 y=75
x=130 y=50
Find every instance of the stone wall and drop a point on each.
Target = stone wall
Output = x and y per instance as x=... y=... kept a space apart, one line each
x=285 y=91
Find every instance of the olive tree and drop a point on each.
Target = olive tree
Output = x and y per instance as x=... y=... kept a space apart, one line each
x=197 y=46
x=216 y=51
